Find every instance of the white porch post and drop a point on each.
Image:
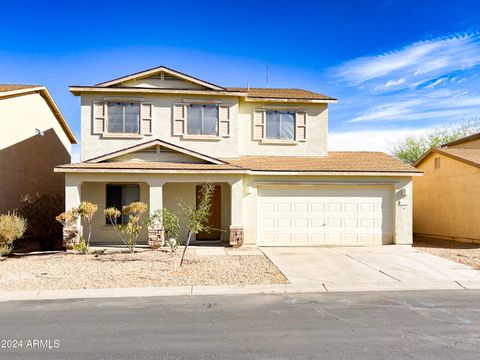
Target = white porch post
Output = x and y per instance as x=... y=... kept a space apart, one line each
x=236 y=227
x=403 y=213
x=155 y=231
x=72 y=233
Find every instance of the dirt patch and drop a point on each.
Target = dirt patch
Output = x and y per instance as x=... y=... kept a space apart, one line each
x=461 y=252
x=119 y=269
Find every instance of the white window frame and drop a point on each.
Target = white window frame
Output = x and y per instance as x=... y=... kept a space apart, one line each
x=294 y=112
x=108 y=119
x=214 y=136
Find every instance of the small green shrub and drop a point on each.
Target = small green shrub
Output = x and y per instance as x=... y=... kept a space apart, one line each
x=171 y=227
x=197 y=216
x=12 y=227
x=82 y=246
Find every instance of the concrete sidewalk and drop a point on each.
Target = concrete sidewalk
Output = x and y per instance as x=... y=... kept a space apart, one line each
x=233 y=290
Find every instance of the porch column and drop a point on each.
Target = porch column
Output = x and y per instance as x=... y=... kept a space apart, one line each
x=72 y=233
x=155 y=230
x=403 y=213
x=236 y=227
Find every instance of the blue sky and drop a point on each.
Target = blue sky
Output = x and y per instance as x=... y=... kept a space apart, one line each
x=397 y=67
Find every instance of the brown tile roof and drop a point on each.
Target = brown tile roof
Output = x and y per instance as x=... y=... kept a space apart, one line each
x=281 y=93
x=470 y=156
x=463 y=140
x=334 y=162
x=12 y=87
x=147 y=166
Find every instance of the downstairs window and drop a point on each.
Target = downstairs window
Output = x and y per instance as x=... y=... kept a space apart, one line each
x=119 y=196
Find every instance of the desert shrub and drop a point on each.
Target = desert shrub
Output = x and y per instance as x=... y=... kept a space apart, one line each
x=171 y=227
x=67 y=218
x=197 y=216
x=83 y=246
x=12 y=227
x=128 y=232
x=86 y=211
x=40 y=212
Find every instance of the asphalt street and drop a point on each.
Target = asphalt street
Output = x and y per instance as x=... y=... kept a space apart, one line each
x=373 y=325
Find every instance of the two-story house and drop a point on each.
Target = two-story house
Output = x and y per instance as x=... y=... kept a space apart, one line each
x=158 y=135
x=34 y=138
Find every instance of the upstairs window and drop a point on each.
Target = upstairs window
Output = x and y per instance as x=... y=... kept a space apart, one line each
x=280 y=125
x=123 y=118
x=202 y=119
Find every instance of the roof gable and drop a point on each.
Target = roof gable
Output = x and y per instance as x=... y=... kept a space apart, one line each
x=160 y=77
x=11 y=90
x=467 y=156
x=156 y=151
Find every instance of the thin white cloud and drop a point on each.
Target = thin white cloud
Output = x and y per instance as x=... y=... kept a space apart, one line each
x=433 y=80
x=422 y=57
x=392 y=83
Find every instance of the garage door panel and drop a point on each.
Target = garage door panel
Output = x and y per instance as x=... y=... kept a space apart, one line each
x=298 y=216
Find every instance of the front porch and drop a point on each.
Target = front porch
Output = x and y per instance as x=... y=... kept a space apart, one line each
x=157 y=191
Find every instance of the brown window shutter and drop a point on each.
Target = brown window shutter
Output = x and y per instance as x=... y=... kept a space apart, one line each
x=179 y=119
x=99 y=117
x=301 y=126
x=259 y=120
x=224 y=121
x=146 y=110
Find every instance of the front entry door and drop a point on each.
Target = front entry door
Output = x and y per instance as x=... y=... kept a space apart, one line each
x=215 y=219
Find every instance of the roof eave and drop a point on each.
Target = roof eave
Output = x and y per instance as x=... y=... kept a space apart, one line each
x=149 y=72
x=289 y=100
x=64 y=169
x=447 y=154
x=77 y=90
x=43 y=91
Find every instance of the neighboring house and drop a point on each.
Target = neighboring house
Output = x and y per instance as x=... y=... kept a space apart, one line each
x=34 y=138
x=158 y=135
x=447 y=197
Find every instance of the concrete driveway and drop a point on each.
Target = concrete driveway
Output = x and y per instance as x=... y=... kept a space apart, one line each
x=369 y=268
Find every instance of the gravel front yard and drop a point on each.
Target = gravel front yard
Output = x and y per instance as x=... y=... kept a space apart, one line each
x=464 y=253
x=118 y=269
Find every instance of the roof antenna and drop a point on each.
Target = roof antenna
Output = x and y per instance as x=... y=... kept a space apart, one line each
x=267 y=77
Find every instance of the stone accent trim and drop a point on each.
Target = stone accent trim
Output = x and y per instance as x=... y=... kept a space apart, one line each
x=236 y=236
x=71 y=236
x=156 y=237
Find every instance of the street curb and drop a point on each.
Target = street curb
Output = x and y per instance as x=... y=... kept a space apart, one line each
x=231 y=290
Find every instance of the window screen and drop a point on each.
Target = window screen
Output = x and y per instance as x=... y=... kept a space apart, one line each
x=202 y=120
x=123 y=118
x=280 y=125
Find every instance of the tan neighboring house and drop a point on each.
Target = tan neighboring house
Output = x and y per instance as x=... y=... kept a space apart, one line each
x=158 y=135
x=34 y=138
x=447 y=197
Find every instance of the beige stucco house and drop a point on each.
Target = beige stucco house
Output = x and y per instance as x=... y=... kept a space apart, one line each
x=447 y=197
x=158 y=135
x=34 y=138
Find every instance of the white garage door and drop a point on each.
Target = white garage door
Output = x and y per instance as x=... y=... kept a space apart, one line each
x=295 y=216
